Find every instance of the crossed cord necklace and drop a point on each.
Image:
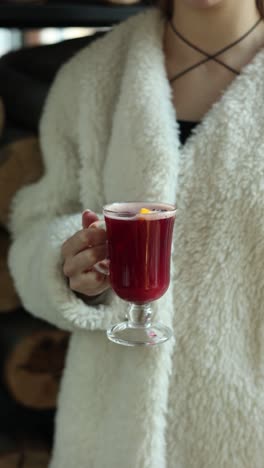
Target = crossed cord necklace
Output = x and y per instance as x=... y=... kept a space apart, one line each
x=209 y=56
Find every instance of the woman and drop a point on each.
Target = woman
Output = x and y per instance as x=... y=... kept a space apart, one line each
x=112 y=130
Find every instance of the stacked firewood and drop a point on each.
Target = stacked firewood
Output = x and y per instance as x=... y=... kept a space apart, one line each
x=32 y=359
x=31 y=364
x=32 y=352
x=32 y=355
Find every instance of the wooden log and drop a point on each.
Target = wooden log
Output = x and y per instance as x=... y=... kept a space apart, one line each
x=16 y=418
x=24 y=453
x=27 y=459
x=33 y=354
x=20 y=164
x=9 y=299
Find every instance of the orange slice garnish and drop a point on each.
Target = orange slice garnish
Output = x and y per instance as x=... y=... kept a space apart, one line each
x=144 y=211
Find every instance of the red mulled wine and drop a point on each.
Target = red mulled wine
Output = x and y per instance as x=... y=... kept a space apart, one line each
x=139 y=250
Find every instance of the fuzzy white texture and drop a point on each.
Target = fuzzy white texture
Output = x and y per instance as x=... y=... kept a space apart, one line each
x=109 y=133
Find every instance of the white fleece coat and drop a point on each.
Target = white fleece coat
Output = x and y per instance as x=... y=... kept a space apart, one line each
x=109 y=133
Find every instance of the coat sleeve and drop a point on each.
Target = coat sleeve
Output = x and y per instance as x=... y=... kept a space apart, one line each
x=48 y=212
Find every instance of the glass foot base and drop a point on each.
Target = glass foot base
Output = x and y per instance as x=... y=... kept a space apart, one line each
x=129 y=334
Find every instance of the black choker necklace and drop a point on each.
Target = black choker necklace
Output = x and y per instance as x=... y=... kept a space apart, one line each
x=209 y=56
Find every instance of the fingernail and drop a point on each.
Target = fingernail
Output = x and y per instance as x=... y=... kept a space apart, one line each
x=101 y=268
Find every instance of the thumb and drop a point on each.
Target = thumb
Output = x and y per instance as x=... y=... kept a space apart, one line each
x=88 y=217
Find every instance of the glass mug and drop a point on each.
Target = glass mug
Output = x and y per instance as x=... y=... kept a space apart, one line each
x=139 y=237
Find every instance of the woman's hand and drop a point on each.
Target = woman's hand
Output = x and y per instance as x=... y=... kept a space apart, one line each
x=81 y=252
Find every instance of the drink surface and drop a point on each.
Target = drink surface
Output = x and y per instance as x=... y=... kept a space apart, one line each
x=139 y=252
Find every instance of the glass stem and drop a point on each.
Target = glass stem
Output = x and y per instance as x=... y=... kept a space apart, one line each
x=139 y=315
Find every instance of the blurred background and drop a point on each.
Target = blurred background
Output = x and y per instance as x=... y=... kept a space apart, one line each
x=36 y=38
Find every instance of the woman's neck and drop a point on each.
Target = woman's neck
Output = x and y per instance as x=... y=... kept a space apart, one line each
x=210 y=28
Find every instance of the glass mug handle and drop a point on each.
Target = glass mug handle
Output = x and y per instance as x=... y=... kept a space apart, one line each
x=102 y=266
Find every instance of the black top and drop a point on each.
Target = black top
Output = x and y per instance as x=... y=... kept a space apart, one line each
x=186 y=128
